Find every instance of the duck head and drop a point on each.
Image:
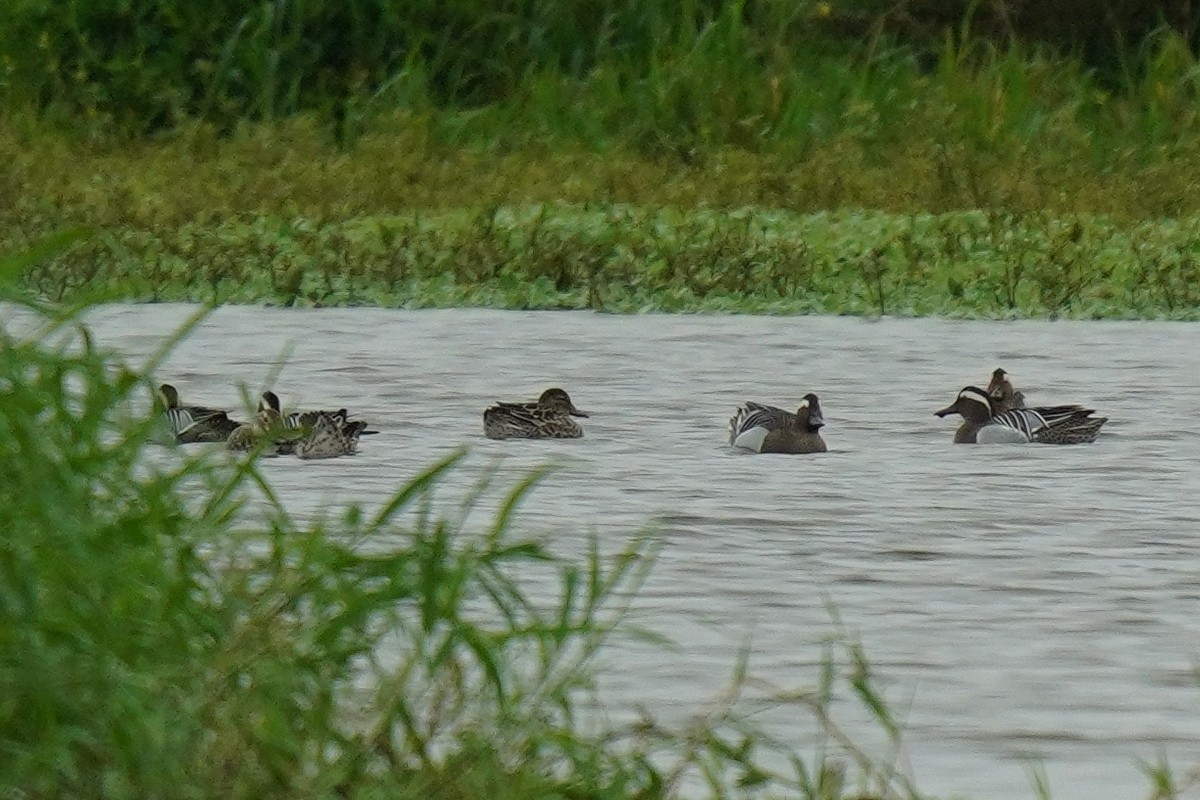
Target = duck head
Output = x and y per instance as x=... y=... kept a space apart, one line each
x=1000 y=387
x=972 y=403
x=269 y=400
x=168 y=396
x=559 y=401
x=809 y=413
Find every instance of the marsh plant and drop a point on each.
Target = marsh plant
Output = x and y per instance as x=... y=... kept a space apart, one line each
x=169 y=630
x=626 y=259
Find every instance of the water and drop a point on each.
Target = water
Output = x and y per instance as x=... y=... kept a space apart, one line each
x=1021 y=602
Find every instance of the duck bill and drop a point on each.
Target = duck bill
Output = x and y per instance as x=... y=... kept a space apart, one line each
x=575 y=412
x=947 y=411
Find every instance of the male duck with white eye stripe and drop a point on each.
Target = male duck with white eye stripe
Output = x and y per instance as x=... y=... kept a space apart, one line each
x=767 y=429
x=192 y=424
x=982 y=424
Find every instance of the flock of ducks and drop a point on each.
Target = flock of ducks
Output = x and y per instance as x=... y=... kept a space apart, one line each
x=305 y=434
x=994 y=415
x=998 y=415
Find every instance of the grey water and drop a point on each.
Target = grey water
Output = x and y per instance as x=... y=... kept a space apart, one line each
x=1021 y=604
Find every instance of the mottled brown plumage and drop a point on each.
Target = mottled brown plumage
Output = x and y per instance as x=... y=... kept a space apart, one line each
x=549 y=417
x=1004 y=396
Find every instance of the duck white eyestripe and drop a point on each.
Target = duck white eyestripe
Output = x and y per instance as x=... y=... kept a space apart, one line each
x=976 y=397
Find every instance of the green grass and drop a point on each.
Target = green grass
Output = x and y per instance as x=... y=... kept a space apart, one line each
x=732 y=156
x=999 y=182
x=168 y=629
x=975 y=264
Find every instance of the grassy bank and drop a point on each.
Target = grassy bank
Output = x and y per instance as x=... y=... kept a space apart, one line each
x=169 y=630
x=625 y=259
x=936 y=174
x=980 y=127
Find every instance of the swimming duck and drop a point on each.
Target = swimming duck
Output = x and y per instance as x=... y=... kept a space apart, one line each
x=314 y=434
x=549 y=417
x=1004 y=396
x=305 y=419
x=328 y=435
x=192 y=424
x=265 y=430
x=982 y=424
x=767 y=429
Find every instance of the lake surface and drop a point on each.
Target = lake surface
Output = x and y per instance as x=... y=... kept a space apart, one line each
x=1019 y=603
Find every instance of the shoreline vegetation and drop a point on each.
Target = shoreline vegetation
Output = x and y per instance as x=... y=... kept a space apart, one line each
x=726 y=156
x=976 y=264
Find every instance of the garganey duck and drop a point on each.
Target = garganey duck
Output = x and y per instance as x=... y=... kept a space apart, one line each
x=1004 y=396
x=549 y=417
x=306 y=419
x=192 y=424
x=983 y=424
x=329 y=435
x=767 y=429
x=265 y=431
x=314 y=434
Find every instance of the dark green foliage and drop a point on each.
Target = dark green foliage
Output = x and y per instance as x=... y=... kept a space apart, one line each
x=151 y=64
x=1102 y=30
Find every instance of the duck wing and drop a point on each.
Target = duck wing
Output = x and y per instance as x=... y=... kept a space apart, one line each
x=751 y=423
x=1070 y=425
x=1024 y=421
x=330 y=437
x=195 y=424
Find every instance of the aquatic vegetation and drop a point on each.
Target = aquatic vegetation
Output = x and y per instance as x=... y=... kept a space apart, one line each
x=628 y=259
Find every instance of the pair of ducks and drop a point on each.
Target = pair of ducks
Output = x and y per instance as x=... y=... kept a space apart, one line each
x=305 y=434
x=758 y=427
x=998 y=415
x=995 y=415
x=992 y=416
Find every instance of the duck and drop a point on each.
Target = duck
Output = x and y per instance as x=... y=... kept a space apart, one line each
x=306 y=419
x=328 y=435
x=193 y=424
x=983 y=424
x=313 y=434
x=548 y=417
x=1004 y=396
x=767 y=429
x=266 y=431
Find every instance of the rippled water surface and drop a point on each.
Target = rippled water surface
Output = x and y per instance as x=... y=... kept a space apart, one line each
x=1022 y=603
